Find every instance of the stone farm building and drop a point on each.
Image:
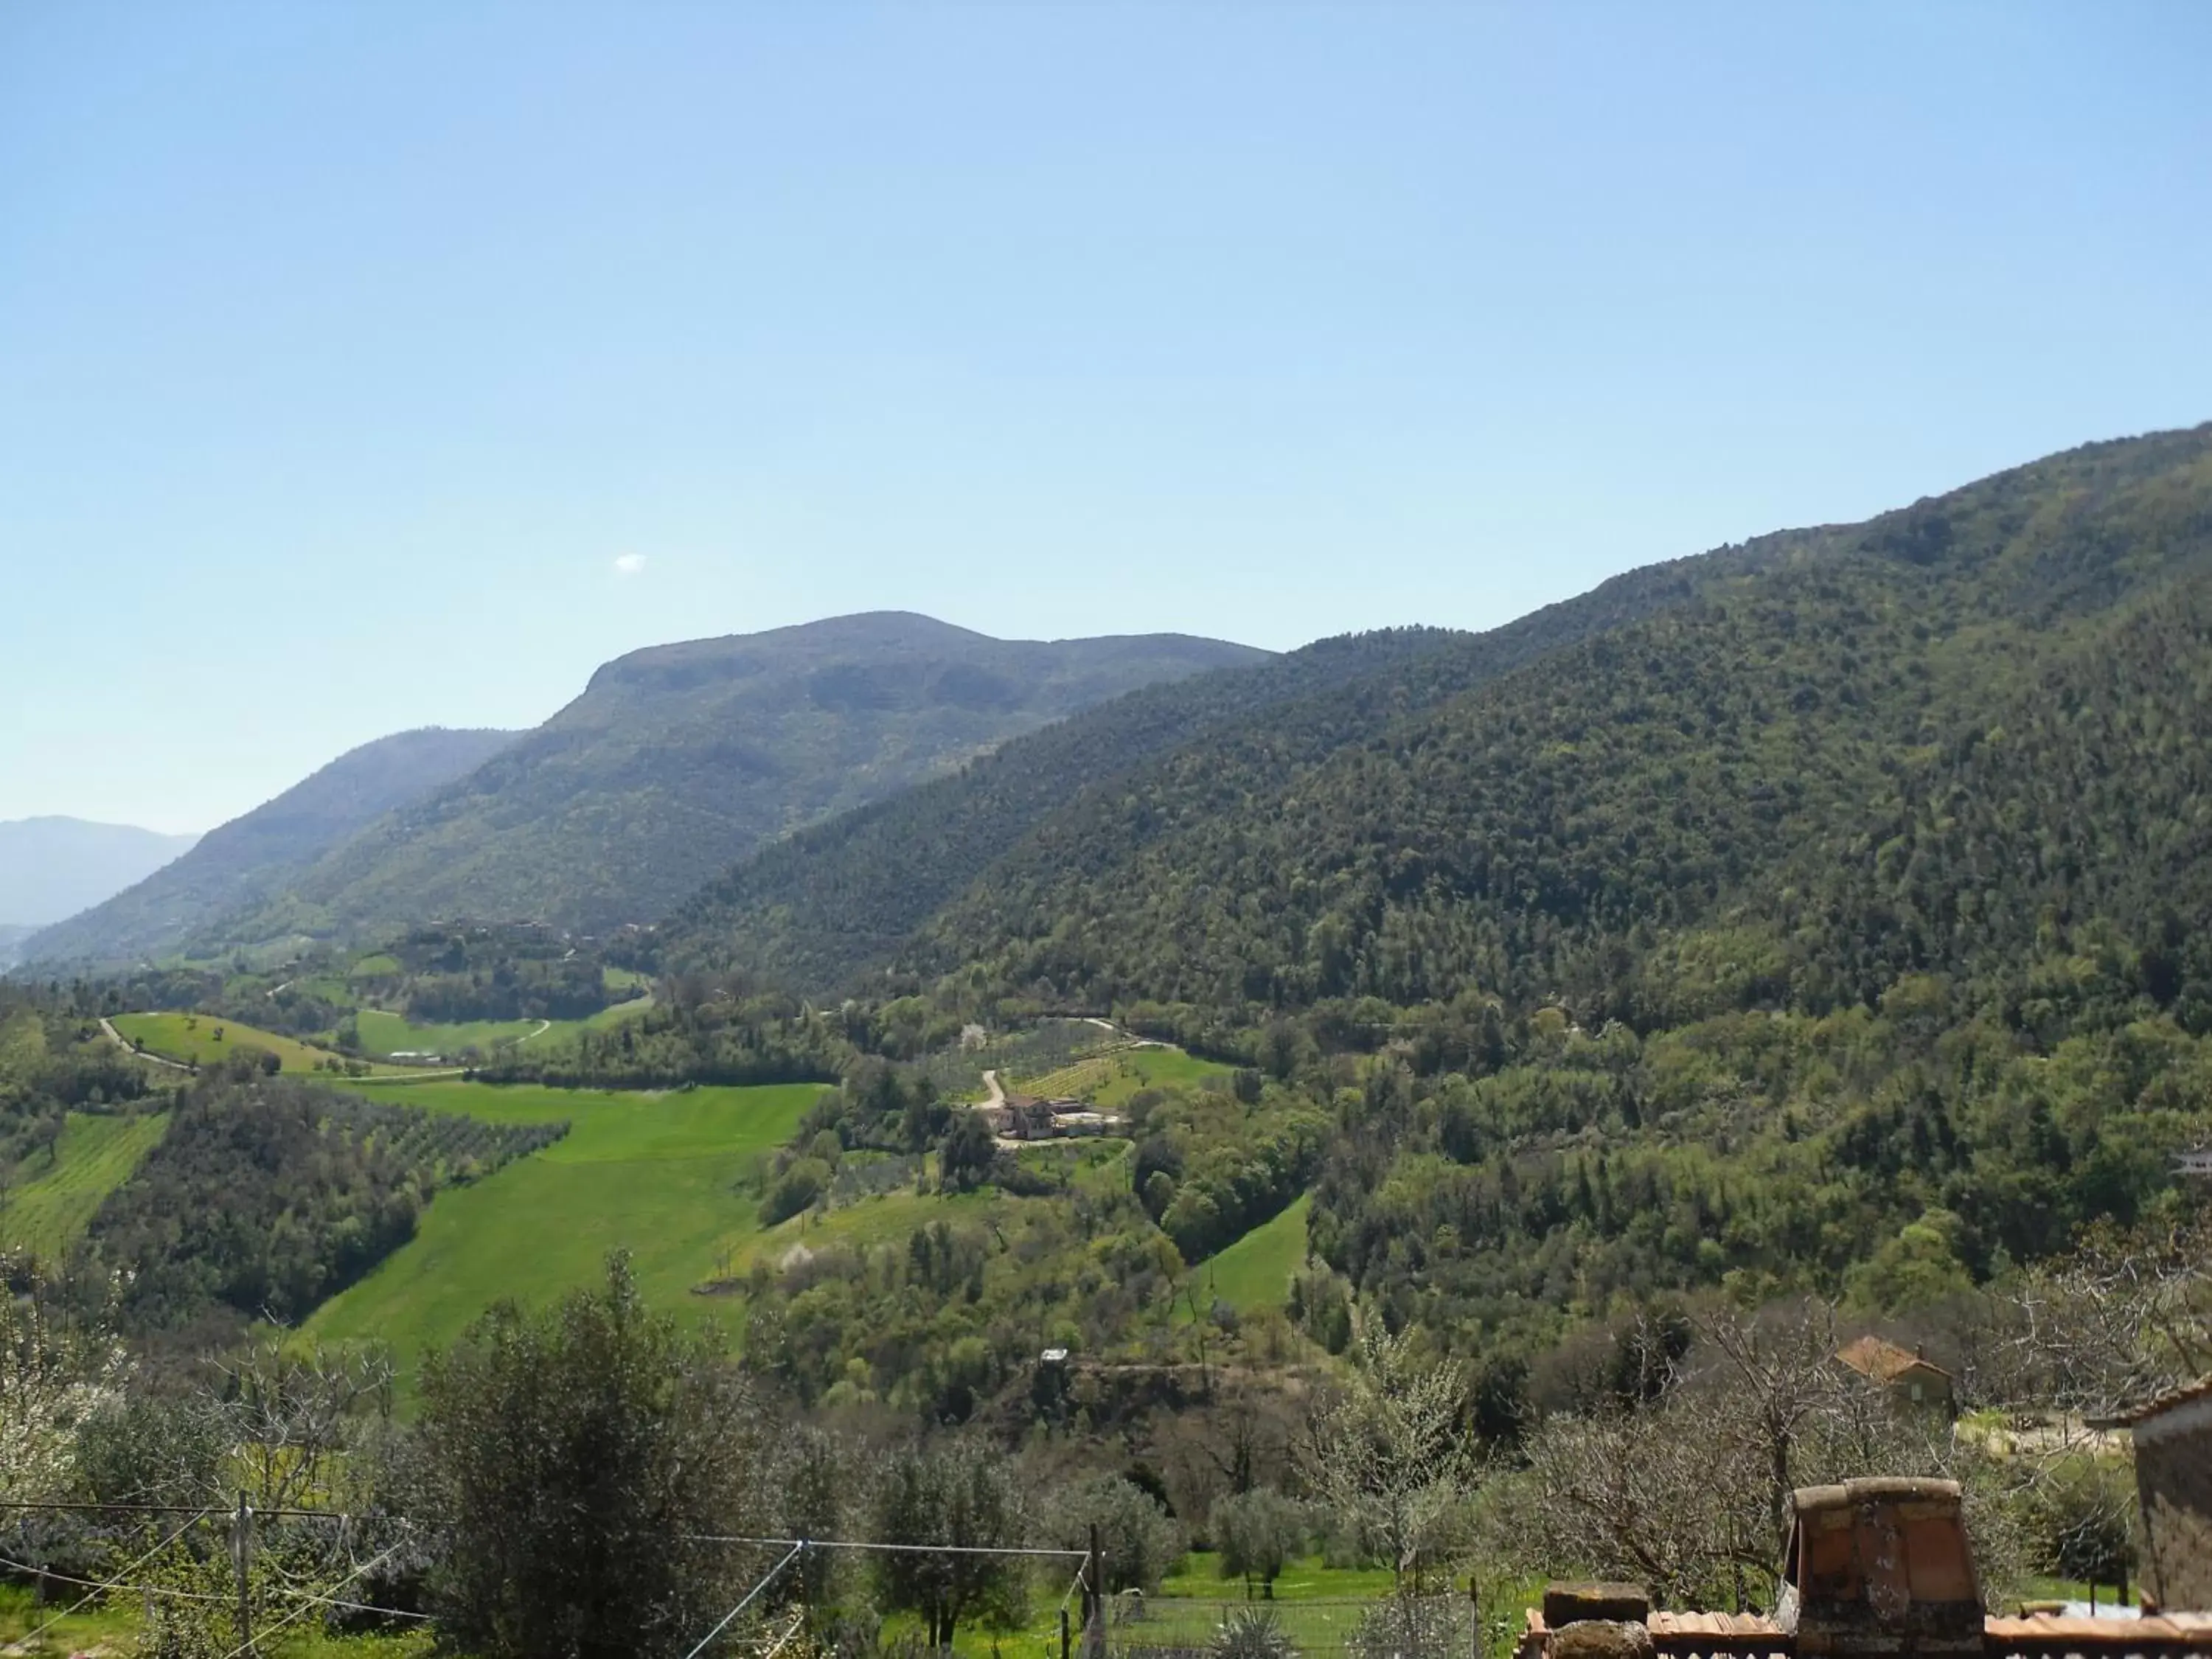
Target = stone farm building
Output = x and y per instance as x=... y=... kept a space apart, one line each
x=1912 y=1379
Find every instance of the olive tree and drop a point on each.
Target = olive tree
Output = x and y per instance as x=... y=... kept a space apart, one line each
x=1259 y=1532
x=956 y=1492
x=572 y=1461
x=1139 y=1540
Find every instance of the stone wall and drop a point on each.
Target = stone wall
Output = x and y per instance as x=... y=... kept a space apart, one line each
x=2173 y=1478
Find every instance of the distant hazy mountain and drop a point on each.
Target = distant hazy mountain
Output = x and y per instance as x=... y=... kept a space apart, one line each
x=11 y=942
x=679 y=759
x=50 y=868
x=250 y=858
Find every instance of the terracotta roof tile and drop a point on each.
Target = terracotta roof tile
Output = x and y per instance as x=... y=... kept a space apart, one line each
x=1884 y=1362
x=2158 y=1407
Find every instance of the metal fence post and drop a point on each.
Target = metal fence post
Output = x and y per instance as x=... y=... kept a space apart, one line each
x=241 y=1542
x=1094 y=1579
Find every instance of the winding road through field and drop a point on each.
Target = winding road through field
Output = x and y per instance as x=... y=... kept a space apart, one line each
x=129 y=1047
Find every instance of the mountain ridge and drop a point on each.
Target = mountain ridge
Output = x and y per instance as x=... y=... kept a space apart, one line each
x=241 y=861
x=52 y=865
x=677 y=759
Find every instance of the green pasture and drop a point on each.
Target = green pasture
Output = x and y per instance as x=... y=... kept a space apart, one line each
x=885 y=1217
x=116 y=1624
x=206 y=1040
x=1256 y=1271
x=656 y=1174
x=1138 y=1069
x=385 y=1033
x=1317 y=1606
x=1108 y=1080
x=95 y=1154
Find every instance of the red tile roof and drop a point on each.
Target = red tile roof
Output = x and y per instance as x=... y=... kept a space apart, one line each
x=2158 y=1407
x=1884 y=1362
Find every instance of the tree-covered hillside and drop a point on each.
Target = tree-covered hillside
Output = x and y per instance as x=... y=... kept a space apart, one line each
x=1554 y=835
x=246 y=860
x=818 y=910
x=676 y=761
x=1842 y=928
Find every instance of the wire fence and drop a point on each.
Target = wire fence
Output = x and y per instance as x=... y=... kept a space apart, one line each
x=1386 y=1627
x=1127 y=1625
x=282 y=1599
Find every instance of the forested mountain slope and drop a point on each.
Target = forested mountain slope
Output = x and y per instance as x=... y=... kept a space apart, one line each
x=815 y=912
x=677 y=760
x=1847 y=927
x=52 y=867
x=249 y=859
x=1541 y=838
x=1938 y=1035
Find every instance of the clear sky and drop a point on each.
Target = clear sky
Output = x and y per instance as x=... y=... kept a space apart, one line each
x=365 y=367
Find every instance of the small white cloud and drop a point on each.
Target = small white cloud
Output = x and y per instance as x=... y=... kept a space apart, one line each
x=629 y=564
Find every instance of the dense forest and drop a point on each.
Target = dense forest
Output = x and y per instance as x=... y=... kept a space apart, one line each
x=820 y=909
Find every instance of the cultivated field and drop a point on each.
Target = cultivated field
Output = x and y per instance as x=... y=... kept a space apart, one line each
x=1106 y=1080
x=95 y=1154
x=652 y=1173
x=195 y=1037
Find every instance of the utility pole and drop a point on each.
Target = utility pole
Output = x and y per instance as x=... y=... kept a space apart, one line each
x=241 y=1546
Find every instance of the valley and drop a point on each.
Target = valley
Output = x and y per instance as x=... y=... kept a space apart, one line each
x=1064 y=831
x=1812 y=926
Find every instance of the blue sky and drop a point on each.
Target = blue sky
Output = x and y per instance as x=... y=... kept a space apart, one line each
x=371 y=367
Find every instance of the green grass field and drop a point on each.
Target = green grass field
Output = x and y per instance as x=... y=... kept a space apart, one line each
x=1317 y=1606
x=383 y=1033
x=117 y=1626
x=1137 y=1069
x=192 y=1038
x=95 y=1154
x=654 y=1173
x=1256 y=1271
x=877 y=1220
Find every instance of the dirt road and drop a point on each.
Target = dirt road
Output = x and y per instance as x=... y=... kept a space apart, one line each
x=124 y=1044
